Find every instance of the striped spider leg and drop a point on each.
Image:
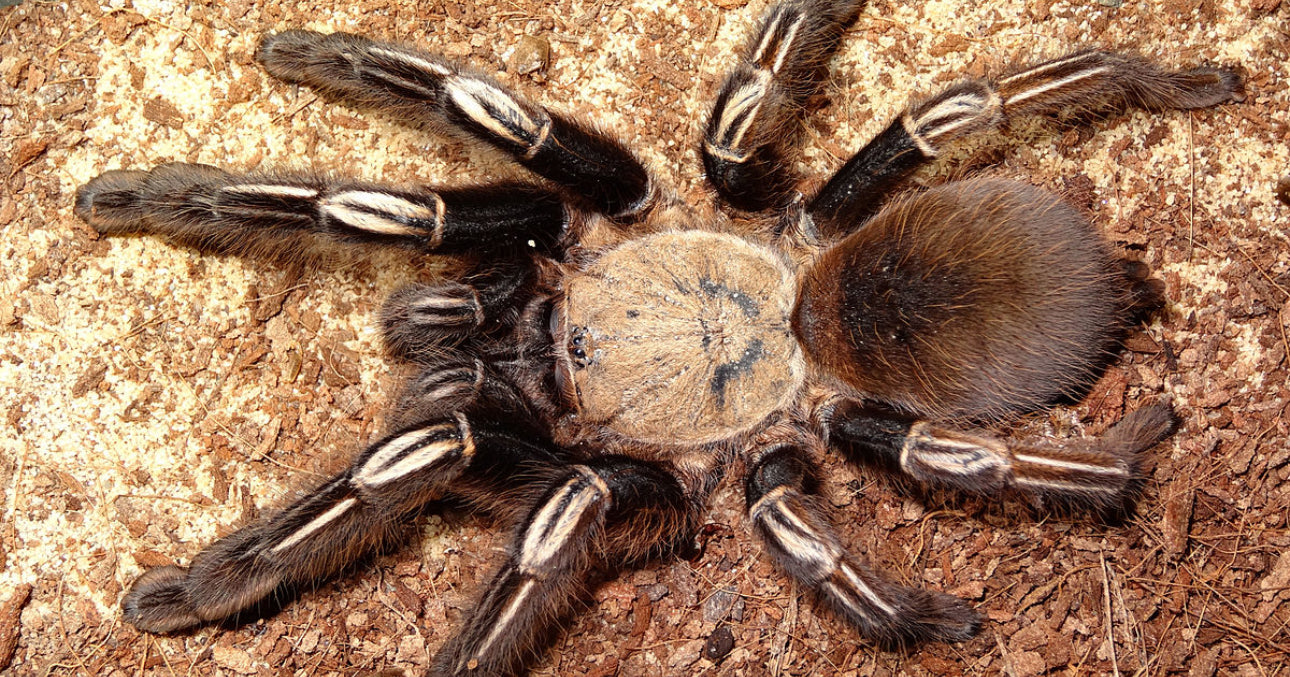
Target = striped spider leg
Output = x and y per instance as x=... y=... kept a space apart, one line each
x=751 y=139
x=597 y=515
x=300 y=218
x=790 y=519
x=449 y=439
x=424 y=88
x=419 y=320
x=1088 y=81
x=1100 y=474
x=303 y=218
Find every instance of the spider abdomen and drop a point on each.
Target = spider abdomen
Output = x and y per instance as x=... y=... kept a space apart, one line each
x=971 y=299
x=682 y=337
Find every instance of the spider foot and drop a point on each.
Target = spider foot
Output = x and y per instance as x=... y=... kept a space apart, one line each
x=158 y=601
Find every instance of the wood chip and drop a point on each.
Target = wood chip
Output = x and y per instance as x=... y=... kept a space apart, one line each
x=25 y=152
x=1177 y=523
x=90 y=379
x=8 y=210
x=234 y=659
x=532 y=55
x=10 y=616
x=151 y=558
x=1277 y=582
x=163 y=112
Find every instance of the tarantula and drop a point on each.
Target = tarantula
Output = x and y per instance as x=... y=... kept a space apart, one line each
x=613 y=352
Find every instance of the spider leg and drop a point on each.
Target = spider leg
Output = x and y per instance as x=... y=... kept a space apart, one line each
x=445 y=440
x=418 y=320
x=596 y=510
x=290 y=217
x=427 y=89
x=754 y=127
x=1103 y=474
x=1085 y=81
x=789 y=518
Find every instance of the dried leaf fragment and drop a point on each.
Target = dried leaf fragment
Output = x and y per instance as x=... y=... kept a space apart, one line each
x=533 y=54
x=90 y=379
x=163 y=112
x=719 y=644
x=25 y=152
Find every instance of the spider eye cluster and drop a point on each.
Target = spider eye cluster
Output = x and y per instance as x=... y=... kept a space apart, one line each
x=579 y=346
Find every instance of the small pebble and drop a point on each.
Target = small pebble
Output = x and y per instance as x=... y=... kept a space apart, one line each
x=719 y=644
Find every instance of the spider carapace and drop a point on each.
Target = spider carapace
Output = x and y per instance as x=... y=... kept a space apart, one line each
x=612 y=352
x=681 y=337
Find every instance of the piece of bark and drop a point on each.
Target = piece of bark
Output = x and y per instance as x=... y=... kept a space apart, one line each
x=10 y=615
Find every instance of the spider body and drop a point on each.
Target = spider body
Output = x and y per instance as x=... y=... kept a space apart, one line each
x=612 y=352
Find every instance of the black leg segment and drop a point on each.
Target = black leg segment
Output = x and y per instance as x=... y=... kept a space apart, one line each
x=856 y=192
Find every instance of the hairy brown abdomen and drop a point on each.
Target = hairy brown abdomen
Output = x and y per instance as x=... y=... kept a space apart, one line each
x=972 y=299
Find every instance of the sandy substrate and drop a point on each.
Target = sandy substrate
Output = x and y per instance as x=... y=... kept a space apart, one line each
x=149 y=395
